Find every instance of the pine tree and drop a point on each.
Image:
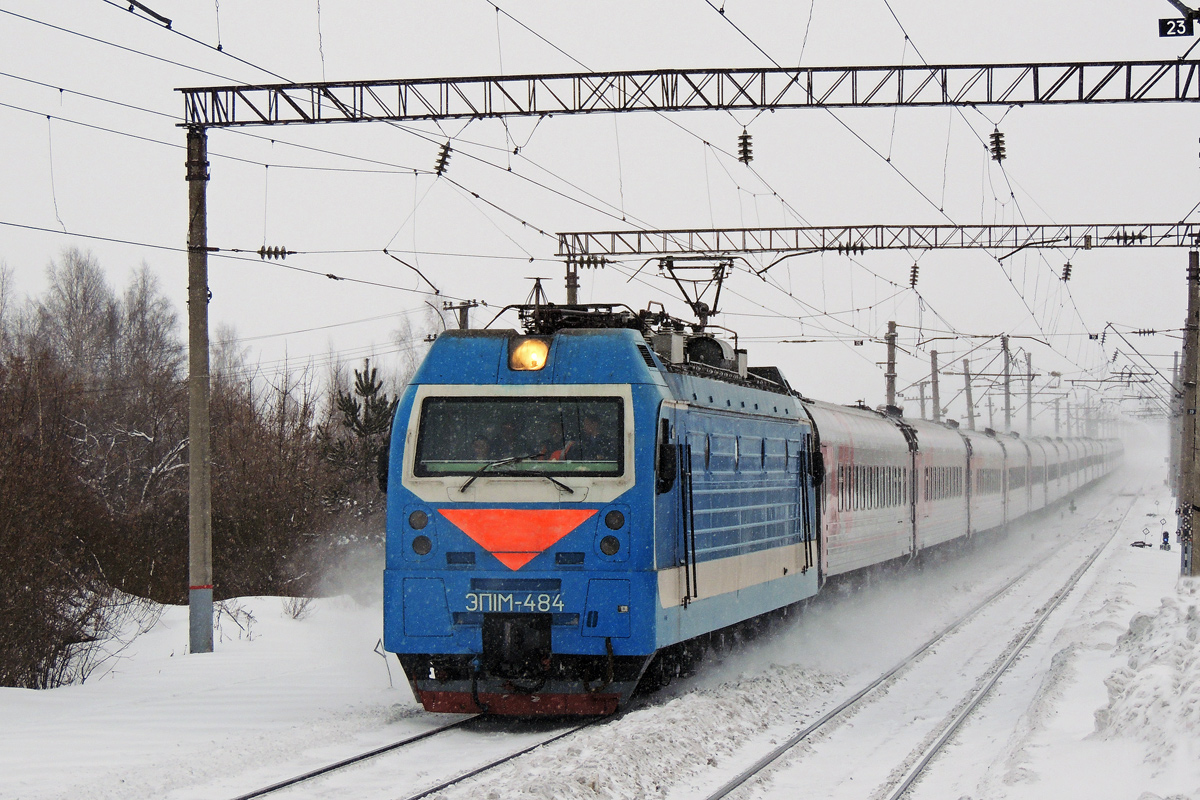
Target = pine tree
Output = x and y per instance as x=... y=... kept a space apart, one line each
x=354 y=450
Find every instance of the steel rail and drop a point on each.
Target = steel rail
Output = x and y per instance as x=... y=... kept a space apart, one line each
x=775 y=754
x=345 y=762
x=503 y=760
x=1004 y=662
x=705 y=89
x=352 y=760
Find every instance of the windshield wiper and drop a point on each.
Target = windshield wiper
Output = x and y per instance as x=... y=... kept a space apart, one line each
x=555 y=481
x=490 y=464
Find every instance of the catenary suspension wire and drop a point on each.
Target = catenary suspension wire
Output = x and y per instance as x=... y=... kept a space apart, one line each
x=216 y=48
x=839 y=120
x=119 y=47
x=215 y=253
x=1003 y=170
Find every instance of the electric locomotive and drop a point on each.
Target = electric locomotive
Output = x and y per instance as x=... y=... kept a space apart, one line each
x=577 y=509
x=567 y=503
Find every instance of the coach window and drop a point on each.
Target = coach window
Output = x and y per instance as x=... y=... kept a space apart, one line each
x=844 y=487
x=841 y=487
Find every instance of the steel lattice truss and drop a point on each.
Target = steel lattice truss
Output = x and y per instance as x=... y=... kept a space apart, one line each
x=860 y=238
x=702 y=89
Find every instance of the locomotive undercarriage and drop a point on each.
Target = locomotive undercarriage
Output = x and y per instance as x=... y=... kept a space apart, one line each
x=517 y=673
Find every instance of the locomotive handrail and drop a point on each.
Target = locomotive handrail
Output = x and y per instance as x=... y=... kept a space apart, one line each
x=687 y=512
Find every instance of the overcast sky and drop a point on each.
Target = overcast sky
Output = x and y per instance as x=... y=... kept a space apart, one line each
x=85 y=171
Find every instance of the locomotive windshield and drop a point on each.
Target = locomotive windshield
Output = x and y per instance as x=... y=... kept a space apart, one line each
x=541 y=435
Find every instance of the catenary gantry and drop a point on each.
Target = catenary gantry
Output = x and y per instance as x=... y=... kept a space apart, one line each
x=1055 y=83
x=860 y=238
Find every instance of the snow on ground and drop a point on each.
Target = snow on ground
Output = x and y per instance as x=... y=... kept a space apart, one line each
x=1111 y=707
x=158 y=720
x=1118 y=702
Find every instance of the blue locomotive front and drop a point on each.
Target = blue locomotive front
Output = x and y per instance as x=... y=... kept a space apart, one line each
x=519 y=579
x=564 y=507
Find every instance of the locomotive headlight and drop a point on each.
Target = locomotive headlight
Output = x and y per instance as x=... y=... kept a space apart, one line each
x=526 y=355
x=609 y=545
x=614 y=520
x=421 y=545
x=418 y=519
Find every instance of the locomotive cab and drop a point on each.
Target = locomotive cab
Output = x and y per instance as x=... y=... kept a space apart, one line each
x=519 y=566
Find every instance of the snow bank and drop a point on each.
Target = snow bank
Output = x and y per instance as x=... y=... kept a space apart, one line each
x=281 y=686
x=648 y=751
x=1155 y=697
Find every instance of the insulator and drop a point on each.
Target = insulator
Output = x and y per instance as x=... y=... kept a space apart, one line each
x=997 y=145
x=280 y=253
x=1103 y=336
x=912 y=276
x=1066 y=274
x=1145 y=332
x=745 y=154
x=443 y=159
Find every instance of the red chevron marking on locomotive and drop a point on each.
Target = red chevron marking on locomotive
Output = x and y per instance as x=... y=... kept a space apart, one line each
x=516 y=536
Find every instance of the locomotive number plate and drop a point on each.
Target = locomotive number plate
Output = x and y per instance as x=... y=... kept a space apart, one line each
x=531 y=602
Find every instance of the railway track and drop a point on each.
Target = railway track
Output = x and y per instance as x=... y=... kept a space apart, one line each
x=466 y=723
x=896 y=786
x=903 y=778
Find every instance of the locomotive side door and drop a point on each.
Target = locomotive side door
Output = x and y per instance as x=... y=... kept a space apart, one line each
x=666 y=488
